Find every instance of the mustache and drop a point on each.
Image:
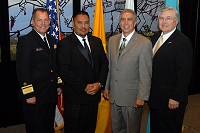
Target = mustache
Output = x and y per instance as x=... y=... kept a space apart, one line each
x=84 y=28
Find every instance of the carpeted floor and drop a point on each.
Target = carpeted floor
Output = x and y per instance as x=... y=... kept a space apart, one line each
x=191 y=121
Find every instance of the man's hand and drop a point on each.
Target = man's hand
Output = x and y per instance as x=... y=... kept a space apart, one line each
x=139 y=103
x=88 y=88
x=106 y=94
x=59 y=91
x=92 y=89
x=31 y=100
x=173 y=104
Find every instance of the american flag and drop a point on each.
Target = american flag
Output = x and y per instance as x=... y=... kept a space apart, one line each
x=53 y=30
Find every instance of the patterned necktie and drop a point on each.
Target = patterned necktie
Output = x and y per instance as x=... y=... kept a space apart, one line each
x=122 y=46
x=88 y=51
x=159 y=44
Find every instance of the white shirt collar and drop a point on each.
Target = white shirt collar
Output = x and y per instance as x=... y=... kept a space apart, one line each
x=43 y=38
x=127 y=38
x=41 y=35
x=81 y=40
x=166 y=36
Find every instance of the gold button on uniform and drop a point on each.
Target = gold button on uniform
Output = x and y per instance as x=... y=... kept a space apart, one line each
x=24 y=83
x=51 y=71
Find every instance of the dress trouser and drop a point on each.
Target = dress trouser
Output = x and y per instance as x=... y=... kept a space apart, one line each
x=80 y=118
x=125 y=119
x=39 y=118
x=166 y=121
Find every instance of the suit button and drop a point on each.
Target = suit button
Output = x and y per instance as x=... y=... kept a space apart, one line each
x=116 y=81
x=51 y=71
x=52 y=80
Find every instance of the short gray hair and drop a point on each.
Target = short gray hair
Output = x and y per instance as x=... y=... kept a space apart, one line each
x=169 y=8
x=130 y=11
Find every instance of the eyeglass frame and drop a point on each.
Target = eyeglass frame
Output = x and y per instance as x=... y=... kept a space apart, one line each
x=167 y=19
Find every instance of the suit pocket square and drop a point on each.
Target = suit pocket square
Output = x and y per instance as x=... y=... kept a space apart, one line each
x=38 y=49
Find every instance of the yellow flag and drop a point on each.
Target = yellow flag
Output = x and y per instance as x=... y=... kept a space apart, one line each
x=103 y=124
x=98 y=25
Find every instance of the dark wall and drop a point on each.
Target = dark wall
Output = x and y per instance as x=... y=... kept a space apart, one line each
x=189 y=14
x=10 y=112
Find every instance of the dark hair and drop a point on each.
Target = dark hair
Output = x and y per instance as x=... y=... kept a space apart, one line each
x=80 y=13
x=39 y=9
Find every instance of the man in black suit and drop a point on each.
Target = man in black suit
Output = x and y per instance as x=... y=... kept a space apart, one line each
x=37 y=74
x=172 y=70
x=83 y=67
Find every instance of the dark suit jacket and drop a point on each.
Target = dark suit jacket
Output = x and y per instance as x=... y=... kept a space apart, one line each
x=36 y=67
x=172 y=70
x=75 y=70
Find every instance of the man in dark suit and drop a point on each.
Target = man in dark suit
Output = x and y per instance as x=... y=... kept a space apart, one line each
x=37 y=74
x=172 y=70
x=83 y=67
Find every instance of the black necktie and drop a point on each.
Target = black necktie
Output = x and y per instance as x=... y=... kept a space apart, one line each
x=46 y=44
x=88 y=51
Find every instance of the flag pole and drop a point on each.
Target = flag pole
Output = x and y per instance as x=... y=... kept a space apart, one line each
x=58 y=16
x=59 y=37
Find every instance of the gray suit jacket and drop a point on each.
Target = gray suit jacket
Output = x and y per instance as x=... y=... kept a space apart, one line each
x=129 y=75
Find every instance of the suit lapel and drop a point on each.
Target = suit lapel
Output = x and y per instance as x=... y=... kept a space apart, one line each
x=50 y=42
x=40 y=42
x=166 y=44
x=117 y=42
x=91 y=43
x=130 y=44
x=78 y=44
x=52 y=45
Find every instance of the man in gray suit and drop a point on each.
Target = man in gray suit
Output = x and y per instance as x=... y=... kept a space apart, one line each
x=129 y=77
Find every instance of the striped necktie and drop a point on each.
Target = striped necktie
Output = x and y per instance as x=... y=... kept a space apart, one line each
x=159 y=44
x=122 y=46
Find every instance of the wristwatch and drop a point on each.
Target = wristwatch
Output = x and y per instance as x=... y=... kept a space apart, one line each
x=101 y=86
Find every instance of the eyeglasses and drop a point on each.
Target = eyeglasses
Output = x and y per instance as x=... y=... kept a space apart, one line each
x=167 y=19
